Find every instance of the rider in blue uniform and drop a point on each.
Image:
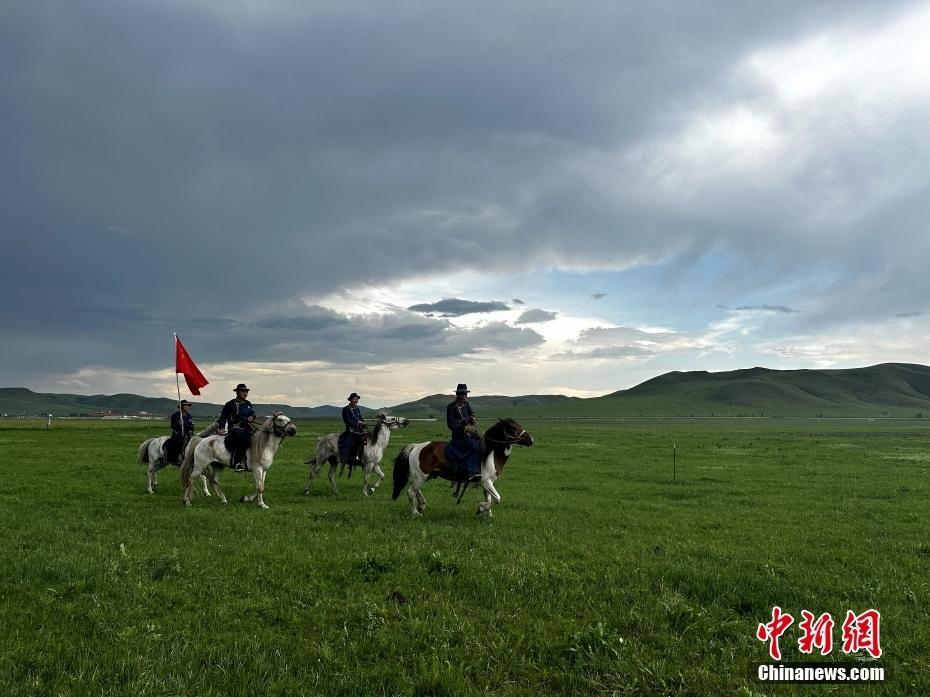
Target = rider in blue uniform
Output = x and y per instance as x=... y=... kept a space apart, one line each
x=239 y=414
x=464 y=449
x=182 y=425
x=353 y=439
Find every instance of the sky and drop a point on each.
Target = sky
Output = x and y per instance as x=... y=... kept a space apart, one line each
x=394 y=198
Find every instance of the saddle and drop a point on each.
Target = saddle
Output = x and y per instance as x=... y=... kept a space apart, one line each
x=173 y=448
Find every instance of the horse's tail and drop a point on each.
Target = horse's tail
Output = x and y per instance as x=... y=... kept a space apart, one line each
x=401 y=471
x=187 y=468
x=144 y=452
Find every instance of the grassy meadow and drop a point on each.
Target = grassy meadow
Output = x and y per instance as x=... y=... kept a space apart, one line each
x=598 y=574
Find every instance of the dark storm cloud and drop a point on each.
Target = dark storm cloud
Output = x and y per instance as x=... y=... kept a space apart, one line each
x=536 y=315
x=455 y=307
x=295 y=332
x=321 y=319
x=164 y=161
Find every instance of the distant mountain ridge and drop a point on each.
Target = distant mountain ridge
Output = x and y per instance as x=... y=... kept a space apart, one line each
x=888 y=389
x=19 y=400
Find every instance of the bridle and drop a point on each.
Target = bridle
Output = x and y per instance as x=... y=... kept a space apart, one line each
x=275 y=428
x=510 y=439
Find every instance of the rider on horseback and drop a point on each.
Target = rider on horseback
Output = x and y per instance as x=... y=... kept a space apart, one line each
x=239 y=414
x=182 y=425
x=353 y=439
x=464 y=449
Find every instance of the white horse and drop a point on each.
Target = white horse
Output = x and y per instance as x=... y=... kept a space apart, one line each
x=419 y=462
x=151 y=453
x=327 y=449
x=211 y=455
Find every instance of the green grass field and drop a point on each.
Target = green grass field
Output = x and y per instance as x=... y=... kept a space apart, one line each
x=597 y=575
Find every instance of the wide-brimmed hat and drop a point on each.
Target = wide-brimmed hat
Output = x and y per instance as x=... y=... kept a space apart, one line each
x=240 y=386
x=461 y=388
x=185 y=403
x=354 y=395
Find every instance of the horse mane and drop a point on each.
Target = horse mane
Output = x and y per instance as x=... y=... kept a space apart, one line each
x=377 y=432
x=210 y=430
x=496 y=432
x=260 y=437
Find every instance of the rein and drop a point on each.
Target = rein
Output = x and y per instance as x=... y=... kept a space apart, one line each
x=510 y=439
x=277 y=430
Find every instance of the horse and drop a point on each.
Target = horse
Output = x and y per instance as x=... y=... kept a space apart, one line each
x=211 y=454
x=151 y=453
x=420 y=462
x=327 y=449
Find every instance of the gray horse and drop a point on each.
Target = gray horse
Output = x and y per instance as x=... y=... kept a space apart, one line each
x=210 y=455
x=151 y=453
x=327 y=450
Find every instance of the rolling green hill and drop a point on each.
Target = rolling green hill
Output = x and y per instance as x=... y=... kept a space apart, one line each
x=889 y=389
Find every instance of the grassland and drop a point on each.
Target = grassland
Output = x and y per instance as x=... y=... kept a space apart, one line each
x=597 y=575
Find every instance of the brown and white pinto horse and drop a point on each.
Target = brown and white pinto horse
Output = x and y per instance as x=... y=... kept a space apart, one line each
x=420 y=462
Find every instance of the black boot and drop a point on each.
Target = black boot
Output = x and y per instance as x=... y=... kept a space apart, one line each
x=238 y=464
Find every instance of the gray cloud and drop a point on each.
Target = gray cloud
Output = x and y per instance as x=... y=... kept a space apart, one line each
x=517 y=301
x=765 y=308
x=536 y=315
x=598 y=296
x=455 y=307
x=603 y=352
x=316 y=319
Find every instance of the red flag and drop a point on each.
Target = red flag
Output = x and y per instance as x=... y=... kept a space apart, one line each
x=183 y=364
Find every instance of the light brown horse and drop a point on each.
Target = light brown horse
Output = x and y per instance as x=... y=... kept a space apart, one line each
x=420 y=462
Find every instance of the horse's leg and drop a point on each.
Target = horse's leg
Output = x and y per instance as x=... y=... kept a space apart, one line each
x=311 y=474
x=152 y=476
x=258 y=473
x=491 y=498
x=380 y=473
x=203 y=481
x=365 y=488
x=417 y=501
x=215 y=480
x=332 y=476
x=261 y=487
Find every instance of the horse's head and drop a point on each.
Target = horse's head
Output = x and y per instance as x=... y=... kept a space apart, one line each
x=280 y=425
x=510 y=432
x=393 y=422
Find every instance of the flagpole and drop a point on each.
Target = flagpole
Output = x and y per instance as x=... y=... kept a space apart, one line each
x=178 y=381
